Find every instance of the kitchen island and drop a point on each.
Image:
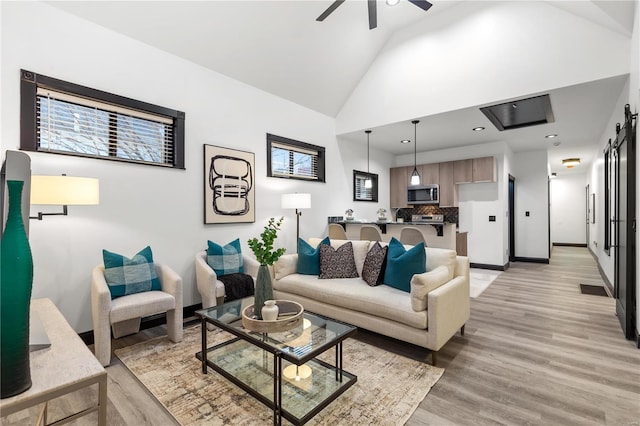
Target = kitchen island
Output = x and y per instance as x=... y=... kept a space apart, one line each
x=435 y=235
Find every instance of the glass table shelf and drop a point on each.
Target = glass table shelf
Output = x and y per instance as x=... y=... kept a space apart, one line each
x=265 y=365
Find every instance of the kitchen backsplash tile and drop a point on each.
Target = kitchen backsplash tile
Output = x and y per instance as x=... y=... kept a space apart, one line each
x=450 y=213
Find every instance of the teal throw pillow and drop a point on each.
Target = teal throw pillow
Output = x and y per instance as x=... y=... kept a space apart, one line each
x=128 y=276
x=403 y=264
x=309 y=257
x=226 y=259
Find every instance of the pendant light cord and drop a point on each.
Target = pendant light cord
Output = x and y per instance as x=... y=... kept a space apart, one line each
x=367 y=132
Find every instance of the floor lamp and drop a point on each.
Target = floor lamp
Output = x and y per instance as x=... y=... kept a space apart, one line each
x=298 y=202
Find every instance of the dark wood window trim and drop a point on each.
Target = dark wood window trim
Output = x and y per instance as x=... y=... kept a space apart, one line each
x=320 y=159
x=29 y=83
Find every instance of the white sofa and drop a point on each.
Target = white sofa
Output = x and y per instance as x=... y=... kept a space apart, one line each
x=429 y=316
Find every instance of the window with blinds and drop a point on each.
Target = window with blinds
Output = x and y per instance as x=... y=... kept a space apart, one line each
x=291 y=159
x=71 y=119
x=365 y=186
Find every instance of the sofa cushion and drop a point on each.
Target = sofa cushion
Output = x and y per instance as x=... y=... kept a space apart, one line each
x=422 y=284
x=126 y=276
x=287 y=264
x=225 y=259
x=402 y=264
x=357 y=295
x=309 y=257
x=360 y=249
x=337 y=263
x=374 y=264
x=438 y=256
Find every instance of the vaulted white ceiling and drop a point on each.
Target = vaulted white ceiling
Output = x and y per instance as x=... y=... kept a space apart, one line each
x=278 y=47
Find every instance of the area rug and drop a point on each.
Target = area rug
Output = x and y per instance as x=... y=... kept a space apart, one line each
x=480 y=280
x=389 y=387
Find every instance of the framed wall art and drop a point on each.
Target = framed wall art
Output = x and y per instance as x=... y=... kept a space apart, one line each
x=229 y=190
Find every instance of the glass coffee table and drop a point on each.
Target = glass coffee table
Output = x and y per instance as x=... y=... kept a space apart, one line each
x=279 y=369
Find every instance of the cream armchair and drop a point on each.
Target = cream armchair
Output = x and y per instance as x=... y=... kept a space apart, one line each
x=211 y=289
x=123 y=314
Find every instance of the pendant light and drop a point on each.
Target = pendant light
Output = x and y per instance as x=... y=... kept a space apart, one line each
x=415 y=176
x=368 y=183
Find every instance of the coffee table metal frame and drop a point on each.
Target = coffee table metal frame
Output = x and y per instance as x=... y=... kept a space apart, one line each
x=268 y=344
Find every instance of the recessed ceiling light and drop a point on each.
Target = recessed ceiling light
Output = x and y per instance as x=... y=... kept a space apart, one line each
x=551 y=136
x=392 y=2
x=477 y=129
x=405 y=141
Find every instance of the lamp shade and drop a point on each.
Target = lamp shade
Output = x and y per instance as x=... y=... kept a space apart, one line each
x=64 y=190
x=296 y=201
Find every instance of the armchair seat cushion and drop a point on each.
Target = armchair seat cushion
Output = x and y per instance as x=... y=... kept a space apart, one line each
x=140 y=305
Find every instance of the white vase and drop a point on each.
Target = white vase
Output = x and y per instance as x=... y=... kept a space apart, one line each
x=270 y=310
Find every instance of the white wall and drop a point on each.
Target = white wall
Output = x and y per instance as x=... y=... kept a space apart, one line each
x=532 y=232
x=477 y=47
x=354 y=157
x=568 y=209
x=139 y=204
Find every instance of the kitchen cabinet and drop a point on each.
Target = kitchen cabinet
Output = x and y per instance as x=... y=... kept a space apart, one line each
x=399 y=181
x=448 y=188
x=429 y=173
x=463 y=171
x=484 y=169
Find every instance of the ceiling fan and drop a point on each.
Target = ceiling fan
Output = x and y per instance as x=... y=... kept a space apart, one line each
x=373 y=17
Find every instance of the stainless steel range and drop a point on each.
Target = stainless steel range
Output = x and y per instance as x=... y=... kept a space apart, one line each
x=434 y=219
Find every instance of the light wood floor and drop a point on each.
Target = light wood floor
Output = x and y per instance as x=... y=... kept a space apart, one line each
x=535 y=351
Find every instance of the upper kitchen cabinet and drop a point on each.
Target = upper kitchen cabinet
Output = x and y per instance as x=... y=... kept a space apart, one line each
x=484 y=169
x=448 y=189
x=429 y=173
x=463 y=171
x=399 y=181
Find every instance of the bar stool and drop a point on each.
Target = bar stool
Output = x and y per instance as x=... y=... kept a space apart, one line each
x=336 y=232
x=411 y=236
x=370 y=233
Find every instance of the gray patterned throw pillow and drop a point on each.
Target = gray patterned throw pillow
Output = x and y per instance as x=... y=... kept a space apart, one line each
x=337 y=263
x=374 y=263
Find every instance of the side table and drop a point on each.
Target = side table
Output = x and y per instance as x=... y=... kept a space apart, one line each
x=66 y=366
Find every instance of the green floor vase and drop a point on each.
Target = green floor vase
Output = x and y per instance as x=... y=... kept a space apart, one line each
x=16 y=277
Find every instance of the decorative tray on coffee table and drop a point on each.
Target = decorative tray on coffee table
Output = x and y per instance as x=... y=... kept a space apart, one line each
x=289 y=316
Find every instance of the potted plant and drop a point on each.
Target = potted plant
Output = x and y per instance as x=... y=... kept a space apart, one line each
x=266 y=255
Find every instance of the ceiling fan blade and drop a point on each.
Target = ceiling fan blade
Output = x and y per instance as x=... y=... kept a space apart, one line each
x=373 y=16
x=329 y=10
x=422 y=4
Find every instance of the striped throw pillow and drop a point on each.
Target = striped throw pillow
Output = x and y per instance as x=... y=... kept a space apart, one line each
x=226 y=259
x=128 y=276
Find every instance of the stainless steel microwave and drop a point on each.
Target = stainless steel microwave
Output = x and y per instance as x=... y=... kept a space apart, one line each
x=425 y=194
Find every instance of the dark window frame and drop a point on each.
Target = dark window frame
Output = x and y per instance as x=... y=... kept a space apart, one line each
x=29 y=83
x=607 y=198
x=374 y=186
x=296 y=144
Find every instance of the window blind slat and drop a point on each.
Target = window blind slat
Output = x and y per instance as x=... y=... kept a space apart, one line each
x=73 y=124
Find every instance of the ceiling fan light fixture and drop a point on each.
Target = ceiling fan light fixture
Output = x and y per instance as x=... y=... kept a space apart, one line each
x=570 y=162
